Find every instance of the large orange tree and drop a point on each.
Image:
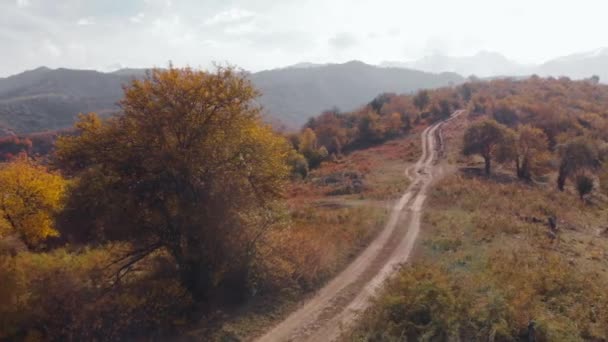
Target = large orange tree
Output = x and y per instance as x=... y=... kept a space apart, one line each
x=188 y=167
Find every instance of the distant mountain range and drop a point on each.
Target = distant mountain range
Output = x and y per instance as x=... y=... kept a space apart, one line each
x=46 y=99
x=482 y=64
x=492 y=64
x=295 y=94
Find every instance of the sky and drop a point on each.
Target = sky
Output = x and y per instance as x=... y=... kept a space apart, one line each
x=264 y=34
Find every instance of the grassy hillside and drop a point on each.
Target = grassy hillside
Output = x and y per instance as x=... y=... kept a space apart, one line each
x=489 y=266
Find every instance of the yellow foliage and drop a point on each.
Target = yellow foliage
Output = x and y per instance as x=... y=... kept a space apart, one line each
x=183 y=168
x=30 y=196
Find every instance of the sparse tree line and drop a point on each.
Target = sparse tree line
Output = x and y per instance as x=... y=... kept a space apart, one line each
x=540 y=126
x=388 y=116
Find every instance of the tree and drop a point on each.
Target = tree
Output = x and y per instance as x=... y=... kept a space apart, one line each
x=188 y=167
x=394 y=125
x=308 y=142
x=485 y=138
x=505 y=114
x=371 y=129
x=13 y=146
x=422 y=99
x=576 y=156
x=380 y=101
x=466 y=92
x=584 y=185
x=329 y=131
x=595 y=79
x=298 y=163
x=30 y=197
x=532 y=151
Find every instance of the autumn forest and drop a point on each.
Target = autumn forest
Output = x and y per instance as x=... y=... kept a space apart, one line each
x=188 y=217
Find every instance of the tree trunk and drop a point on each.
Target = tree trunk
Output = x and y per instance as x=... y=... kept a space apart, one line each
x=488 y=165
x=196 y=278
x=194 y=274
x=561 y=179
x=525 y=170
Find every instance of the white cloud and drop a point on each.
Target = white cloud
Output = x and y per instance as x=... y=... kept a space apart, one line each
x=230 y=16
x=51 y=48
x=23 y=3
x=259 y=34
x=241 y=29
x=85 y=21
x=137 y=19
x=342 y=40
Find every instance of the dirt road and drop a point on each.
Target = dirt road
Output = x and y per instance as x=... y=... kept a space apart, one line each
x=336 y=305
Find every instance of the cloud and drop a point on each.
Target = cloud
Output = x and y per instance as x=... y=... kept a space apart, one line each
x=137 y=19
x=342 y=41
x=241 y=29
x=23 y=3
x=51 y=48
x=85 y=21
x=231 y=16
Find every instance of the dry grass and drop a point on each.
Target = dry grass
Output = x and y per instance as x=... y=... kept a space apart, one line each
x=485 y=245
x=485 y=265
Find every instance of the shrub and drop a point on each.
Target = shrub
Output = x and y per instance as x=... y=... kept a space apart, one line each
x=68 y=296
x=584 y=185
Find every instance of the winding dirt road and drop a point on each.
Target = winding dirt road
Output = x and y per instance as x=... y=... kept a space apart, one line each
x=335 y=306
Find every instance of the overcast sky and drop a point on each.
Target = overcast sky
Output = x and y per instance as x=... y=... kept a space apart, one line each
x=263 y=34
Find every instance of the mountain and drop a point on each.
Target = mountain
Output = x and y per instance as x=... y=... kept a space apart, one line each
x=491 y=64
x=295 y=94
x=482 y=64
x=578 y=66
x=46 y=99
x=305 y=65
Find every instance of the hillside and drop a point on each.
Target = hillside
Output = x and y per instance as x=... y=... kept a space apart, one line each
x=45 y=99
x=510 y=255
x=578 y=66
x=296 y=94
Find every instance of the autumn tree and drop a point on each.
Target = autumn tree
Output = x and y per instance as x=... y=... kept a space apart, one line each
x=394 y=125
x=422 y=99
x=11 y=146
x=466 y=92
x=504 y=113
x=330 y=131
x=370 y=128
x=576 y=156
x=188 y=167
x=30 y=197
x=379 y=101
x=310 y=149
x=531 y=151
x=485 y=138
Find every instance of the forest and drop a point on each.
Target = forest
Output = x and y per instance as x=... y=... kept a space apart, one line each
x=144 y=224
